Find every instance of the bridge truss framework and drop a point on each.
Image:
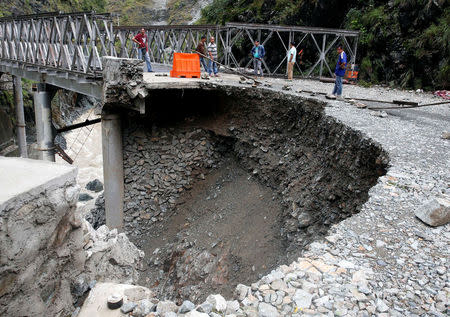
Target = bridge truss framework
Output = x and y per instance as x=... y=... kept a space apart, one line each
x=65 y=49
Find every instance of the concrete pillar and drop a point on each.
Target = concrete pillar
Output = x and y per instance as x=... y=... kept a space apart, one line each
x=113 y=170
x=43 y=95
x=20 y=116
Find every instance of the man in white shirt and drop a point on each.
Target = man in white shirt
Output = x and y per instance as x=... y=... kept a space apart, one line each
x=292 y=53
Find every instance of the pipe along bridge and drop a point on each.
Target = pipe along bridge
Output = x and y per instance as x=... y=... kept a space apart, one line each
x=71 y=51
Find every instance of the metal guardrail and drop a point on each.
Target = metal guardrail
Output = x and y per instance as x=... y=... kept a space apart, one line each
x=164 y=40
x=73 y=43
x=57 y=42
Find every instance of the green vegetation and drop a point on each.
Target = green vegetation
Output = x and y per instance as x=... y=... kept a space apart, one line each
x=36 y=6
x=403 y=42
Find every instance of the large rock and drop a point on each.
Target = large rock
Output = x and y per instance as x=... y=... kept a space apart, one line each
x=267 y=310
x=186 y=307
x=166 y=307
x=95 y=303
x=302 y=299
x=435 y=212
x=218 y=302
x=95 y=186
x=50 y=257
x=39 y=235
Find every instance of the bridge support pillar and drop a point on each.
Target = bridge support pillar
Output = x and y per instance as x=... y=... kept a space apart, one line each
x=113 y=170
x=43 y=95
x=20 y=117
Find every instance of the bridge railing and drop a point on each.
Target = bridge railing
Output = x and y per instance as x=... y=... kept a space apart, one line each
x=73 y=43
x=234 y=41
x=57 y=42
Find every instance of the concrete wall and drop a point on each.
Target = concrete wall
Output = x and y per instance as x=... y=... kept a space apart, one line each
x=49 y=257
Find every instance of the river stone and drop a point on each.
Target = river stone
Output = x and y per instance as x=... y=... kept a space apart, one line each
x=381 y=306
x=187 y=306
x=166 y=307
x=144 y=308
x=84 y=197
x=267 y=310
x=218 y=302
x=194 y=313
x=128 y=307
x=445 y=135
x=205 y=307
x=435 y=212
x=232 y=307
x=302 y=299
x=95 y=186
x=241 y=291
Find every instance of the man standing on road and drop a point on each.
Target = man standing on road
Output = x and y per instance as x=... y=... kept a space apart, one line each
x=258 y=53
x=201 y=50
x=292 y=53
x=340 y=73
x=212 y=51
x=141 y=40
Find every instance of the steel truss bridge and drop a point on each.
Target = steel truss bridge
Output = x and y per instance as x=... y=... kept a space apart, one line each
x=65 y=49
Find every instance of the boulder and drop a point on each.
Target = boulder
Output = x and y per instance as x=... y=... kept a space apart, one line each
x=435 y=212
x=95 y=186
x=218 y=302
x=302 y=299
x=84 y=197
x=267 y=310
x=186 y=307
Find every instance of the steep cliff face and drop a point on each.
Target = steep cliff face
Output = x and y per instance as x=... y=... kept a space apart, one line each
x=146 y=12
x=9 y=7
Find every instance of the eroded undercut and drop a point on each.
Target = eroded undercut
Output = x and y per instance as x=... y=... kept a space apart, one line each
x=221 y=186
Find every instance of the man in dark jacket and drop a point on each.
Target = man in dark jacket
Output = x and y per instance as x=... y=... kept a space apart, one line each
x=258 y=53
x=341 y=65
x=142 y=41
x=201 y=49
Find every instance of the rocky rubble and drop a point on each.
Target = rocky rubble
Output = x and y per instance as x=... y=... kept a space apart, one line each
x=381 y=261
x=158 y=167
x=50 y=257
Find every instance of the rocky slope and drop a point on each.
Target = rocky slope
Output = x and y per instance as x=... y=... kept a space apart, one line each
x=148 y=12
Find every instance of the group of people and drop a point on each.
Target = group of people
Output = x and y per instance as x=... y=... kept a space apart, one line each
x=208 y=53
x=208 y=59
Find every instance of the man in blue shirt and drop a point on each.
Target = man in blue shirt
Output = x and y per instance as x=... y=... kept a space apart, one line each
x=258 y=53
x=340 y=73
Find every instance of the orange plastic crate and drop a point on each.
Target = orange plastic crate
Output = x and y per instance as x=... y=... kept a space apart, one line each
x=185 y=65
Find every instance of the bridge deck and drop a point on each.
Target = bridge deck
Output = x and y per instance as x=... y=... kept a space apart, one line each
x=162 y=80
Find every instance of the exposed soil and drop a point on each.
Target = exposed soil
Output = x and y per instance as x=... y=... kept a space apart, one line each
x=232 y=226
x=219 y=193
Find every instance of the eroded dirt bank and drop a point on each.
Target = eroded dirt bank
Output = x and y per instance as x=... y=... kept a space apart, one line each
x=194 y=168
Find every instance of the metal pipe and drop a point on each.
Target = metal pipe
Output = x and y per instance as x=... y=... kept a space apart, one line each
x=20 y=116
x=78 y=125
x=113 y=170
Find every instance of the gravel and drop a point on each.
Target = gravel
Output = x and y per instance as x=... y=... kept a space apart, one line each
x=382 y=260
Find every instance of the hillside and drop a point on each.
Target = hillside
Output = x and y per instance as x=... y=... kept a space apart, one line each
x=132 y=12
x=403 y=42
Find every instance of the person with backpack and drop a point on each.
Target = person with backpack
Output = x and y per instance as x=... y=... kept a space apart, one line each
x=258 y=52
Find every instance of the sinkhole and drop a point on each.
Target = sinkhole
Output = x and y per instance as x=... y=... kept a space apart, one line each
x=224 y=185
